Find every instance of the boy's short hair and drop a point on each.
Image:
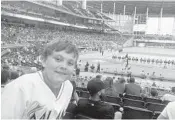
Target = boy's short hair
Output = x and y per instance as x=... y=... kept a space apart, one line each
x=60 y=46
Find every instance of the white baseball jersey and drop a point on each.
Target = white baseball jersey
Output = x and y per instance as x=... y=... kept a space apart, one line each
x=169 y=111
x=28 y=97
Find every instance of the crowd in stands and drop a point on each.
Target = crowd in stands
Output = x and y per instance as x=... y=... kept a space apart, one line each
x=160 y=45
x=33 y=39
x=18 y=33
x=26 y=8
x=158 y=37
x=155 y=37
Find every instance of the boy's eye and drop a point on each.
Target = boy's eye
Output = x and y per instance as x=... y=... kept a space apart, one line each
x=58 y=59
x=70 y=63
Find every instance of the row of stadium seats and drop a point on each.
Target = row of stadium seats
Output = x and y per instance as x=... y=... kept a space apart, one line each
x=141 y=101
x=128 y=112
x=84 y=93
x=130 y=100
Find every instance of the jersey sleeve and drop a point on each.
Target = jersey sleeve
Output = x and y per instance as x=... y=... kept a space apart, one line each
x=164 y=113
x=12 y=101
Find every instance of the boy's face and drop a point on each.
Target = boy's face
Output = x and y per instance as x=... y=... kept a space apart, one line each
x=59 y=66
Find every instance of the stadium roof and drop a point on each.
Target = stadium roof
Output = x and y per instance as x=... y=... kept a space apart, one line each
x=153 y=5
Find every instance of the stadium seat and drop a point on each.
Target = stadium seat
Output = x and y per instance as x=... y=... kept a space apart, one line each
x=152 y=100
x=68 y=116
x=156 y=115
x=133 y=103
x=78 y=92
x=133 y=97
x=80 y=88
x=84 y=94
x=136 y=113
x=71 y=108
x=155 y=106
x=112 y=99
x=80 y=116
x=116 y=106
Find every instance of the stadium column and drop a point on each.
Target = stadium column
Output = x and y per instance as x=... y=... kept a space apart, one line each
x=173 y=31
x=84 y=4
x=147 y=12
x=124 y=8
x=101 y=8
x=119 y=22
x=114 y=9
x=135 y=12
x=159 y=21
x=60 y=2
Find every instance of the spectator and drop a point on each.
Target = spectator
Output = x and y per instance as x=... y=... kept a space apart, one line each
x=86 y=67
x=154 y=84
x=153 y=76
x=13 y=75
x=98 y=67
x=109 y=88
x=132 y=88
x=161 y=77
x=98 y=77
x=5 y=67
x=120 y=85
x=143 y=76
x=5 y=76
x=129 y=73
x=77 y=71
x=102 y=52
x=92 y=68
x=94 y=107
x=154 y=93
x=168 y=112
x=38 y=92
